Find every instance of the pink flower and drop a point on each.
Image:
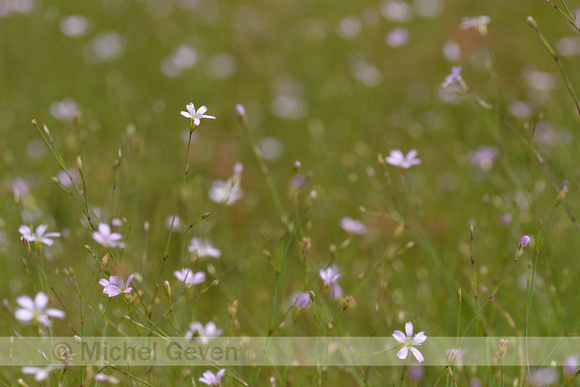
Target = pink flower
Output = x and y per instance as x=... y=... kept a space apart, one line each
x=195 y=116
x=115 y=285
x=39 y=235
x=106 y=238
x=398 y=159
x=330 y=277
x=408 y=342
x=189 y=277
x=210 y=379
x=36 y=309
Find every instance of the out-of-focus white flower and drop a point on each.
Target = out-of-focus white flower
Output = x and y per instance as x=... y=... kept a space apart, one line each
x=115 y=285
x=545 y=376
x=452 y=51
x=571 y=364
x=36 y=310
x=203 y=334
x=210 y=379
x=483 y=157
x=40 y=373
x=188 y=277
x=225 y=192
x=398 y=159
x=173 y=223
x=64 y=110
x=454 y=77
x=409 y=341
x=106 y=238
x=270 y=148
x=222 y=66
x=353 y=226
x=106 y=379
x=479 y=22
x=397 y=37
x=64 y=177
x=204 y=248
x=105 y=47
x=398 y=11
x=349 y=27
x=39 y=236
x=74 y=26
x=194 y=115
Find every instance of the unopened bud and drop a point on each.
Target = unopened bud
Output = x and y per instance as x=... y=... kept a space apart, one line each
x=297 y=166
x=238 y=168
x=233 y=309
x=79 y=164
x=206 y=215
x=26 y=244
x=562 y=194
x=146 y=226
x=312 y=296
x=532 y=22
x=167 y=289
x=347 y=301
x=502 y=348
x=522 y=246
x=312 y=198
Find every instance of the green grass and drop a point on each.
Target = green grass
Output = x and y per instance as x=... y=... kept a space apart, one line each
x=128 y=104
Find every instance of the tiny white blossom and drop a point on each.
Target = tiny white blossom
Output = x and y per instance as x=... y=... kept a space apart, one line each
x=398 y=159
x=408 y=342
x=203 y=334
x=38 y=236
x=477 y=21
x=330 y=277
x=225 y=192
x=36 y=310
x=173 y=223
x=115 y=285
x=106 y=238
x=353 y=226
x=204 y=248
x=188 y=277
x=196 y=115
x=40 y=373
x=210 y=379
x=105 y=379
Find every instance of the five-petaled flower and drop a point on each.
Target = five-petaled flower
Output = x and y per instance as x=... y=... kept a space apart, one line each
x=203 y=334
x=36 y=309
x=188 y=277
x=398 y=159
x=210 y=379
x=408 y=342
x=38 y=236
x=115 y=285
x=195 y=116
x=204 y=248
x=330 y=277
x=106 y=238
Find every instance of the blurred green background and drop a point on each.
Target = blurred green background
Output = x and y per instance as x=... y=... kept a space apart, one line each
x=331 y=84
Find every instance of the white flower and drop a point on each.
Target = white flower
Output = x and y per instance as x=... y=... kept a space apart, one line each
x=398 y=159
x=203 y=334
x=353 y=226
x=116 y=286
x=225 y=192
x=408 y=341
x=106 y=238
x=39 y=235
x=36 y=309
x=64 y=110
x=188 y=277
x=105 y=379
x=196 y=115
x=210 y=379
x=330 y=277
x=173 y=223
x=204 y=248
x=468 y=22
x=40 y=373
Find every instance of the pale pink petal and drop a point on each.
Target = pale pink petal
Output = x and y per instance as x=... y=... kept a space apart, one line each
x=201 y=110
x=186 y=114
x=417 y=354
x=23 y=314
x=409 y=329
x=25 y=302
x=399 y=336
x=41 y=229
x=220 y=374
x=419 y=338
x=41 y=300
x=402 y=354
x=55 y=313
x=104 y=282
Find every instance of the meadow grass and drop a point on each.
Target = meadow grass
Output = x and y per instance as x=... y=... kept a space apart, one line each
x=238 y=227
